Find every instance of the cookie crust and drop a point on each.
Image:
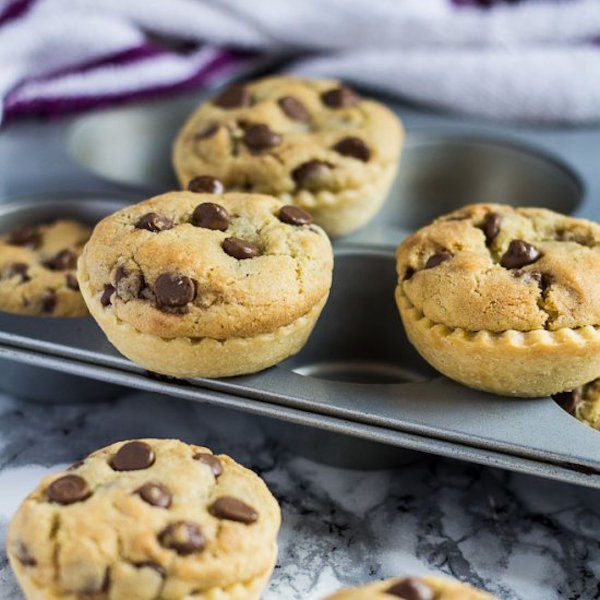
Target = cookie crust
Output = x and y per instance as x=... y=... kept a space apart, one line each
x=526 y=329
x=351 y=179
x=112 y=545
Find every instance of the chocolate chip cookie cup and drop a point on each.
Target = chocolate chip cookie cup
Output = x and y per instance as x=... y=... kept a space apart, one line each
x=312 y=143
x=146 y=519
x=194 y=284
x=504 y=299
x=413 y=588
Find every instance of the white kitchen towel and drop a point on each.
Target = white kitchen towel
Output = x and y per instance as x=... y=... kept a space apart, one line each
x=534 y=60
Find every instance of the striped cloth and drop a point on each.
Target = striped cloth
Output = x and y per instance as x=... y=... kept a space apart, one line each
x=534 y=60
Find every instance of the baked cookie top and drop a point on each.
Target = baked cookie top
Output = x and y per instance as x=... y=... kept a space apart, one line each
x=583 y=403
x=496 y=268
x=190 y=264
x=146 y=518
x=413 y=588
x=300 y=139
x=37 y=269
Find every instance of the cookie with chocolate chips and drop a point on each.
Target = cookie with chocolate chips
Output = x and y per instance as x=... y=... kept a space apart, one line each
x=504 y=299
x=413 y=588
x=197 y=284
x=315 y=144
x=146 y=519
x=37 y=269
x=583 y=403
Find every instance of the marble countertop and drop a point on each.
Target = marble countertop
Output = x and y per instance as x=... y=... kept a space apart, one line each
x=516 y=536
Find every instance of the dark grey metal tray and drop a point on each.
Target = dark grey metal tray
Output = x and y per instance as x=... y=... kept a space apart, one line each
x=358 y=374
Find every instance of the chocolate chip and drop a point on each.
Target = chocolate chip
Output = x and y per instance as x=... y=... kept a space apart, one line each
x=23 y=556
x=232 y=509
x=411 y=588
x=491 y=227
x=68 y=489
x=75 y=465
x=65 y=259
x=26 y=236
x=150 y=564
x=205 y=184
x=260 y=137
x=438 y=259
x=354 y=147
x=155 y=494
x=182 y=536
x=569 y=400
x=408 y=273
x=48 y=301
x=239 y=249
x=519 y=254
x=211 y=216
x=17 y=270
x=154 y=222
x=339 y=97
x=292 y=215
x=235 y=96
x=129 y=283
x=207 y=132
x=294 y=109
x=72 y=282
x=212 y=461
x=310 y=175
x=109 y=290
x=133 y=456
x=173 y=290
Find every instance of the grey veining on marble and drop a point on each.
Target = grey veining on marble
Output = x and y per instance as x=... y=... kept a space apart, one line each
x=520 y=538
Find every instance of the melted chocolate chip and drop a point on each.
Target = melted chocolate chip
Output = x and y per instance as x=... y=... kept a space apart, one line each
x=173 y=290
x=129 y=284
x=240 y=249
x=260 y=137
x=212 y=461
x=17 y=270
x=48 y=301
x=211 y=216
x=184 y=537
x=310 y=175
x=569 y=400
x=339 y=97
x=233 y=509
x=133 y=456
x=75 y=465
x=65 y=259
x=68 y=489
x=411 y=588
x=150 y=564
x=519 y=254
x=205 y=184
x=438 y=259
x=235 y=96
x=294 y=109
x=23 y=555
x=72 y=282
x=26 y=236
x=109 y=290
x=408 y=273
x=292 y=215
x=155 y=494
x=354 y=147
x=154 y=222
x=491 y=227
x=207 y=132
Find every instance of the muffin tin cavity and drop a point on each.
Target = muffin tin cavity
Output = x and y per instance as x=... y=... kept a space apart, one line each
x=359 y=337
x=440 y=174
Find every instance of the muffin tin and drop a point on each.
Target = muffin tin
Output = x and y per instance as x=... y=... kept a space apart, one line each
x=358 y=374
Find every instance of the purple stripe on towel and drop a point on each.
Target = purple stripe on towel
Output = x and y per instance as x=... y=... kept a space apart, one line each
x=14 y=10
x=224 y=64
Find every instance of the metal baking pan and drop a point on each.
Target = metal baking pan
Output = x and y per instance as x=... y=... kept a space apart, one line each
x=358 y=374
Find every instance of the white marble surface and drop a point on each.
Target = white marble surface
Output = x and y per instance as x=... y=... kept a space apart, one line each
x=516 y=536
